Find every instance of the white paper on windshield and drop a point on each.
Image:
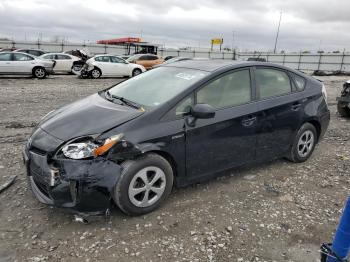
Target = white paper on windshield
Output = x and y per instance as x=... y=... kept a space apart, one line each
x=185 y=76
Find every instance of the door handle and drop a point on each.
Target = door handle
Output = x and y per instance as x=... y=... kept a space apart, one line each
x=249 y=121
x=296 y=106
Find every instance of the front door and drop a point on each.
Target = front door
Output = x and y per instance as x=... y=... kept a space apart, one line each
x=228 y=139
x=5 y=62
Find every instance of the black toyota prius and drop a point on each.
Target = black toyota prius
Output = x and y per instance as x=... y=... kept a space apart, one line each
x=172 y=126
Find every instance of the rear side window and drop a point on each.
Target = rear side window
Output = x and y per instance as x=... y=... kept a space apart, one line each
x=229 y=90
x=272 y=82
x=21 y=57
x=63 y=57
x=144 y=57
x=102 y=59
x=5 y=57
x=34 y=52
x=115 y=59
x=299 y=82
x=152 y=57
x=49 y=57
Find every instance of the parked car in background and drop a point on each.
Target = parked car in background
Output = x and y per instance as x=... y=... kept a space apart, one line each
x=16 y=63
x=125 y=57
x=34 y=52
x=7 y=49
x=110 y=65
x=169 y=57
x=344 y=100
x=146 y=60
x=174 y=125
x=64 y=62
x=173 y=60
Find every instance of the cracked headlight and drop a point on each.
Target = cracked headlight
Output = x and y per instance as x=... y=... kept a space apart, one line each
x=88 y=149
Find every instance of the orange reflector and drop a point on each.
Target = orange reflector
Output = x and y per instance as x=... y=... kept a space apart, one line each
x=102 y=149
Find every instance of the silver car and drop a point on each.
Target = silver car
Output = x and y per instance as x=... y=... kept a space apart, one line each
x=17 y=63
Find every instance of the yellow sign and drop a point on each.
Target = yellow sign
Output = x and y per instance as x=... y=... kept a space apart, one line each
x=217 y=41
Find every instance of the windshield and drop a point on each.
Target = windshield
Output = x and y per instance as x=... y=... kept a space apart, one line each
x=157 y=86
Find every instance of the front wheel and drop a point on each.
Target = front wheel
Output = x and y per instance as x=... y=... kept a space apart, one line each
x=144 y=184
x=39 y=72
x=136 y=72
x=304 y=143
x=343 y=109
x=95 y=73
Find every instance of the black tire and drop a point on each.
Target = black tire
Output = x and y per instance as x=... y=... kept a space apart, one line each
x=95 y=73
x=295 y=154
x=136 y=72
x=39 y=72
x=343 y=109
x=130 y=169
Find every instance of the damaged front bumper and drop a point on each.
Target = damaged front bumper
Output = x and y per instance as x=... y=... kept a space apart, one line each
x=81 y=186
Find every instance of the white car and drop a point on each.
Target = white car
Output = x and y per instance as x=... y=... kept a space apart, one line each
x=64 y=62
x=110 y=65
x=16 y=63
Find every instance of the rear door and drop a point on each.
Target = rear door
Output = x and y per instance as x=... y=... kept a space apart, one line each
x=5 y=62
x=281 y=110
x=22 y=63
x=63 y=63
x=228 y=139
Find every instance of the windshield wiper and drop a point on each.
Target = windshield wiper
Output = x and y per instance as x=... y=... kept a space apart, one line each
x=124 y=101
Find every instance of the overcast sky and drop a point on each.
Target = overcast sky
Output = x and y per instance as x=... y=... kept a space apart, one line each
x=306 y=24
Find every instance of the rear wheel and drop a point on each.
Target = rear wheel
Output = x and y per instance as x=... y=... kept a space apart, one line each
x=343 y=109
x=304 y=143
x=39 y=72
x=136 y=72
x=95 y=73
x=144 y=184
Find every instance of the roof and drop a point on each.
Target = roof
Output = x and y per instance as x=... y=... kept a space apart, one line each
x=211 y=65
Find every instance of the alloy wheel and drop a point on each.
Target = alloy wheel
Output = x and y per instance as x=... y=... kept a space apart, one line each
x=95 y=73
x=147 y=186
x=306 y=143
x=39 y=73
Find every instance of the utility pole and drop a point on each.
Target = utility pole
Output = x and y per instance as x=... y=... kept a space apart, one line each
x=233 y=40
x=278 y=31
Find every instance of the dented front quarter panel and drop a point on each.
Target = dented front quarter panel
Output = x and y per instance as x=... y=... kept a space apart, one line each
x=85 y=185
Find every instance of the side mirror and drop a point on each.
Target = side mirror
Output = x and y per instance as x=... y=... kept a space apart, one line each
x=202 y=111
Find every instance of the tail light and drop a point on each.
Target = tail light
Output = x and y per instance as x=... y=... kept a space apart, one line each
x=324 y=92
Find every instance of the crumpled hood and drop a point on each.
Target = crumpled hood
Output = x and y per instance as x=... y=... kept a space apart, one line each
x=88 y=116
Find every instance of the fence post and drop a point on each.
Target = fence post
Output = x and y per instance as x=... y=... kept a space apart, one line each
x=267 y=57
x=178 y=52
x=62 y=46
x=284 y=58
x=319 y=62
x=13 y=44
x=234 y=54
x=342 y=61
x=209 y=54
x=299 y=60
x=105 y=49
x=194 y=53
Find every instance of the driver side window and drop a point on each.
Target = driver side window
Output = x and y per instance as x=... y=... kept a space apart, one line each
x=232 y=89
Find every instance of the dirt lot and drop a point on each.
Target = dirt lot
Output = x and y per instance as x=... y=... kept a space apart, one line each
x=274 y=212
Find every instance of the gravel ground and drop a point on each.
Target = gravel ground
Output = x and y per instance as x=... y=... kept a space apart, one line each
x=278 y=211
